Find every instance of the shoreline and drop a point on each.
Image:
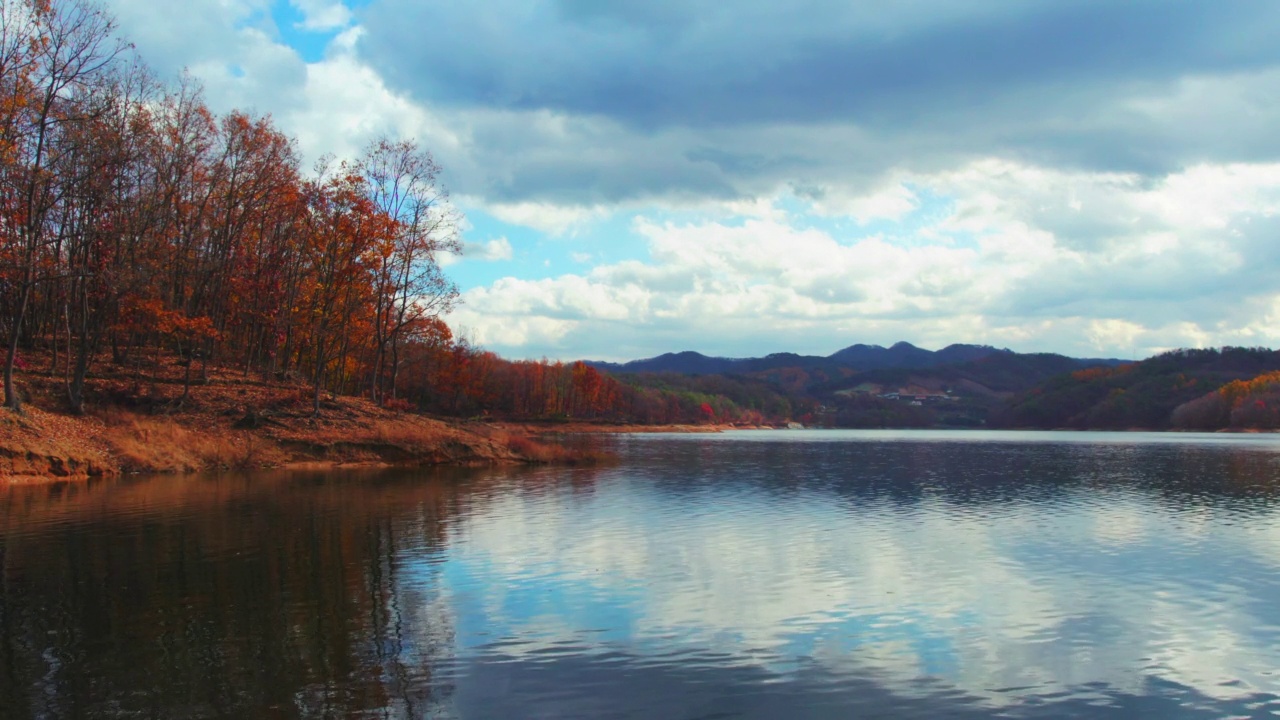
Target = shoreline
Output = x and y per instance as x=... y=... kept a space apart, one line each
x=557 y=427
x=113 y=441
x=232 y=422
x=216 y=433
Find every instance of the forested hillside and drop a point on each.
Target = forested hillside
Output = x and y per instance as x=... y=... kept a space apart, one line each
x=137 y=225
x=958 y=395
x=137 y=221
x=457 y=379
x=859 y=357
x=1240 y=404
x=1145 y=394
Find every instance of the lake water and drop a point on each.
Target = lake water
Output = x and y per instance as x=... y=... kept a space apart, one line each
x=803 y=574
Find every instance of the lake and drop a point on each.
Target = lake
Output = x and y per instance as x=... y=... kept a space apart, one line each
x=755 y=574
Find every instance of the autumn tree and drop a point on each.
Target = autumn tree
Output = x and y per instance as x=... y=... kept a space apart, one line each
x=403 y=182
x=100 y=163
x=343 y=232
x=53 y=57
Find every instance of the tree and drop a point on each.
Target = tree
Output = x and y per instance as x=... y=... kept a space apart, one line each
x=404 y=185
x=51 y=59
x=343 y=232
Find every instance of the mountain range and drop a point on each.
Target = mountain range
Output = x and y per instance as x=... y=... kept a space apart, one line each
x=858 y=357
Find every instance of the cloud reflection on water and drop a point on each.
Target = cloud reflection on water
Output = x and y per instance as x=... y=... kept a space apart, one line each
x=997 y=591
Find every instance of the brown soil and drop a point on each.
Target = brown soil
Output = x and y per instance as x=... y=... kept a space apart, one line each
x=135 y=425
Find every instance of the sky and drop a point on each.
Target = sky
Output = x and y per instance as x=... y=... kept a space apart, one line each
x=1086 y=177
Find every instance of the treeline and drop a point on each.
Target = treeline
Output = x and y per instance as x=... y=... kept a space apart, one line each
x=137 y=225
x=738 y=398
x=866 y=411
x=1180 y=388
x=1240 y=404
x=134 y=218
x=455 y=378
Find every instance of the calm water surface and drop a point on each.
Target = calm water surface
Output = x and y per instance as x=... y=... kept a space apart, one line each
x=745 y=575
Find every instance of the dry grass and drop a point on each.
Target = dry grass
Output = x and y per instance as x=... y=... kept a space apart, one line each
x=159 y=444
x=42 y=444
x=401 y=433
x=142 y=424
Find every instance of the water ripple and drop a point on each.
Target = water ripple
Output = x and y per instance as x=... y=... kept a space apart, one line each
x=748 y=575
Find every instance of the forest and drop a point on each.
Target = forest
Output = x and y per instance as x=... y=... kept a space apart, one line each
x=136 y=224
x=141 y=231
x=1206 y=389
x=137 y=221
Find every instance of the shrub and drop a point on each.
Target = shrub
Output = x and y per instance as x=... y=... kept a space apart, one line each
x=398 y=405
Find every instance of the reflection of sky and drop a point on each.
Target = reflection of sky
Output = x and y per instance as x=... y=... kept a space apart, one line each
x=1040 y=593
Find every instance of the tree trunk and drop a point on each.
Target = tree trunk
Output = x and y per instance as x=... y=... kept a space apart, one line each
x=11 y=399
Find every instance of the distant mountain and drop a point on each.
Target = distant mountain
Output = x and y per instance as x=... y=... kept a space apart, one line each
x=858 y=357
x=685 y=363
x=906 y=355
x=998 y=373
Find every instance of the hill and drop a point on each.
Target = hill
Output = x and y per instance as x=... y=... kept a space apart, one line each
x=959 y=395
x=859 y=357
x=1136 y=395
x=861 y=385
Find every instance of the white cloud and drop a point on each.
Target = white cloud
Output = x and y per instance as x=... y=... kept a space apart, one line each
x=1111 y=334
x=487 y=251
x=978 y=247
x=347 y=105
x=231 y=47
x=893 y=201
x=1039 y=259
x=547 y=217
x=322 y=15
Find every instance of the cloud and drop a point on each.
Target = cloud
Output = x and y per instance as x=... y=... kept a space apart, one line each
x=670 y=100
x=232 y=47
x=322 y=15
x=1094 y=178
x=697 y=63
x=893 y=201
x=547 y=217
x=487 y=251
x=1012 y=255
x=588 y=109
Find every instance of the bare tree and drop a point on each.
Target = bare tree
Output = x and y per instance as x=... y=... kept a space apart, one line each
x=411 y=288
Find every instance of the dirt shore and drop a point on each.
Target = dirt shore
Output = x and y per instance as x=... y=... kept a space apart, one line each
x=233 y=424
x=43 y=445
